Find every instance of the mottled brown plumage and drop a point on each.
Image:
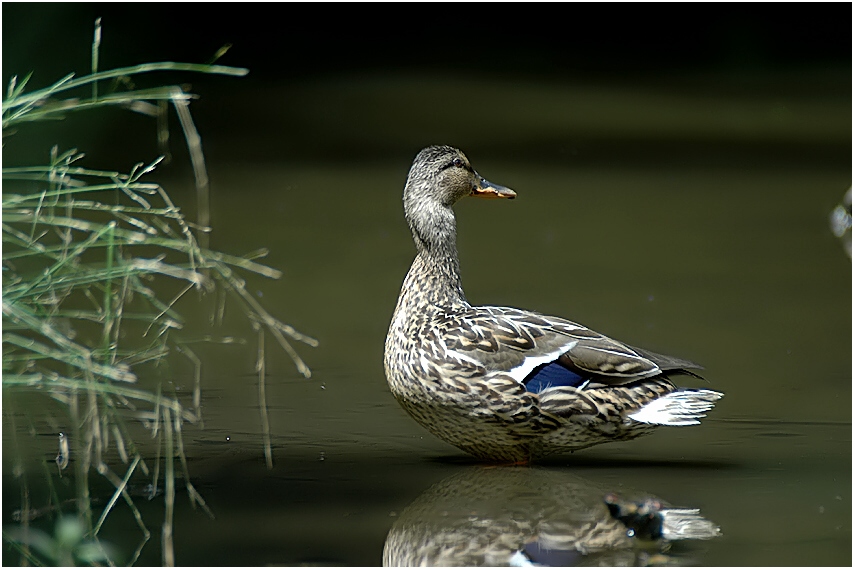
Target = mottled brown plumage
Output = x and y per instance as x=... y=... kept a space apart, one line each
x=464 y=371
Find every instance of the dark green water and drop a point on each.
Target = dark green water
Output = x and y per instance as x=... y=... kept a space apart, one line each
x=691 y=222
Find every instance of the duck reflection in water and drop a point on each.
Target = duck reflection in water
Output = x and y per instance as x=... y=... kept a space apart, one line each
x=516 y=516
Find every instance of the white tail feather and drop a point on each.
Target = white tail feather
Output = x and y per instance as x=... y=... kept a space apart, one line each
x=681 y=408
x=680 y=524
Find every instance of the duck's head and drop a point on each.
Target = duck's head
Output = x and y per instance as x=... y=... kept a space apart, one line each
x=443 y=175
x=439 y=177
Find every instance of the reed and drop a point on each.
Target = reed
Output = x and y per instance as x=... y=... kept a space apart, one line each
x=81 y=248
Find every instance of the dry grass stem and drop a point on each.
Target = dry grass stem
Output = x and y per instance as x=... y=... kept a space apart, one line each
x=85 y=251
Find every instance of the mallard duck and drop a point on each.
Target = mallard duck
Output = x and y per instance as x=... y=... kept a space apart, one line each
x=506 y=384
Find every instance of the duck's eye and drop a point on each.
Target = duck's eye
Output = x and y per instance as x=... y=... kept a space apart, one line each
x=457 y=162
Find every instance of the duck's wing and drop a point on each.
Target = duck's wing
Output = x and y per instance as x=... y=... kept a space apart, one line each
x=524 y=344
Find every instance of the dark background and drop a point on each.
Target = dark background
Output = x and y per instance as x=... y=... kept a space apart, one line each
x=283 y=45
x=291 y=41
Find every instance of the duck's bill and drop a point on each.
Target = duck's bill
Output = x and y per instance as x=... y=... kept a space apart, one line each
x=486 y=189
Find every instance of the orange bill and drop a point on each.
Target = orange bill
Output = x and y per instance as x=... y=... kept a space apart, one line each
x=486 y=189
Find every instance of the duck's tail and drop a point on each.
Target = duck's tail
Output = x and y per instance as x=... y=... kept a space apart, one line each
x=680 y=408
x=680 y=524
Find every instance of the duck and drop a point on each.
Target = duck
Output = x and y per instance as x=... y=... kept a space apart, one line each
x=505 y=384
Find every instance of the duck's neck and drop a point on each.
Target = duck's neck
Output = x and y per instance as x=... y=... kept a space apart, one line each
x=435 y=273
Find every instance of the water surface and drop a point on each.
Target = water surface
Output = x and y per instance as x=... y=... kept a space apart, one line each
x=708 y=241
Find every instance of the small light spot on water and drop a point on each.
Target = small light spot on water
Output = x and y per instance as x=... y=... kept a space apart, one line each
x=259 y=294
x=228 y=438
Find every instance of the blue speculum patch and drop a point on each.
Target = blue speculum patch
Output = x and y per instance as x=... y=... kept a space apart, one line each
x=551 y=375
